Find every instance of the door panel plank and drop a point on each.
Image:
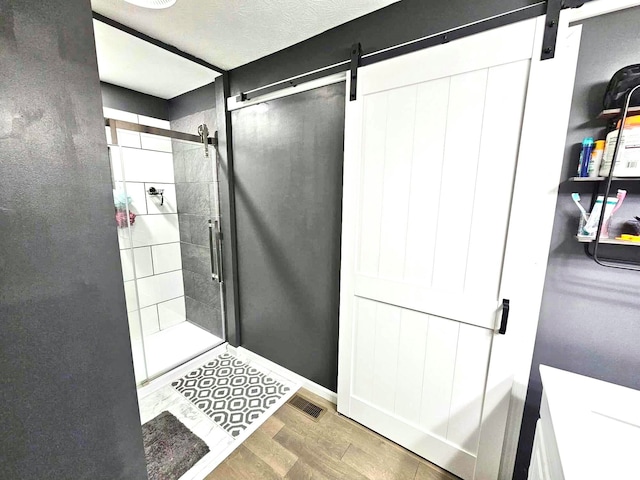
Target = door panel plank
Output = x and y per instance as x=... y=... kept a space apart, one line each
x=426 y=176
x=468 y=387
x=385 y=364
x=401 y=119
x=364 y=345
x=411 y=361
x=437 y=384
x=464 y=128
x=506 y=93
x=373 y=155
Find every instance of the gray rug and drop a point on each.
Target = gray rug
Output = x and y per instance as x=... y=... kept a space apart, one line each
x=170 y=447
x=230 y=392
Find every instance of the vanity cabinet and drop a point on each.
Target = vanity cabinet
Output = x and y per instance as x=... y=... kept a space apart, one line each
x=588 y=429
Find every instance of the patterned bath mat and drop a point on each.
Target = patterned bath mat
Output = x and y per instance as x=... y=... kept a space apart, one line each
x=231 y=392
x=170 y=447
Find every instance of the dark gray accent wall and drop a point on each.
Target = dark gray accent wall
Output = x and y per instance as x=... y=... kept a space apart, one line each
x=193 y=102
x=67 y=389
x=288 y=156
x=590 y=316
x=195 y=194
x=398 y=23
x=127 y=100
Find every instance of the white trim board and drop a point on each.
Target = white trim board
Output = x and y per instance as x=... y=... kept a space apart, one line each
x=550 y=89
x=244 y=354
x=233 y=104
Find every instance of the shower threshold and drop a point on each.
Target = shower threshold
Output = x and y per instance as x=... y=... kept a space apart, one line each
x=170 y=348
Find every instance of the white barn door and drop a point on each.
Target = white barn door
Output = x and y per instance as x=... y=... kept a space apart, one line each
x=431 y=149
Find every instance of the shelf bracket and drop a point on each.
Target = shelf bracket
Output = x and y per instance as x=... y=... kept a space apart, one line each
x=551 y=29
x=356 y=57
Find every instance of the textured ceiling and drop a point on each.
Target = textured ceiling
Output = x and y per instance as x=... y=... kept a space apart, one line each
x=230 y=33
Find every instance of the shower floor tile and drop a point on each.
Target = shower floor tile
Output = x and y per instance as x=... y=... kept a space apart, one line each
x=222 y=433
x=170 y=347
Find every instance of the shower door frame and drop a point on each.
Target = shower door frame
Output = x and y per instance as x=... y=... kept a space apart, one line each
x=114 y=125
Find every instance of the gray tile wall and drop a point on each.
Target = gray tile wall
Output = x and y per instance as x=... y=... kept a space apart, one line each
x=194 y=193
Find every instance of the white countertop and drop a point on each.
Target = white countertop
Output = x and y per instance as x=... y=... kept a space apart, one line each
x=596 y=425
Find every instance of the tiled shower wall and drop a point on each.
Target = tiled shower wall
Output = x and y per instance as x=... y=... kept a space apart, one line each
x=195 y=194
x=148 y=162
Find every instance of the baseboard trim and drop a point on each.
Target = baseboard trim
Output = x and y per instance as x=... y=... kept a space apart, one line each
x=243 y=353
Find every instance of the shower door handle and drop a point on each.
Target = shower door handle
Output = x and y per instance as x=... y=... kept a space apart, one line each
x=215 y=246
x=218 y=238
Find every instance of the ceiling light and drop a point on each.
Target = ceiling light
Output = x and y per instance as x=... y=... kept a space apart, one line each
x=155 y=4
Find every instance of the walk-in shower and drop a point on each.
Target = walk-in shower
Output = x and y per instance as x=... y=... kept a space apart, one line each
x=166 y=211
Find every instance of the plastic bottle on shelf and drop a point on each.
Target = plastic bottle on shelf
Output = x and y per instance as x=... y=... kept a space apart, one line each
x=596 y=158
x=585 y=157
x=628 y=161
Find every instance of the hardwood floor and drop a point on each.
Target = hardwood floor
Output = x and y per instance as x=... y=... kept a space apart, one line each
x=290 y=445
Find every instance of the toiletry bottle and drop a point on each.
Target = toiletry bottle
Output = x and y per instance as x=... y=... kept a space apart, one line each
x=585 y=156
x=596 y=158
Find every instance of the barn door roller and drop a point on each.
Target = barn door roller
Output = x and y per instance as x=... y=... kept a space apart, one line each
x=356 y=57
x=551 y=29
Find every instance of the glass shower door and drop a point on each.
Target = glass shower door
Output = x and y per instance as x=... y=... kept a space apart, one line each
x=196 y=177
x=126 y=211
x=165 y=199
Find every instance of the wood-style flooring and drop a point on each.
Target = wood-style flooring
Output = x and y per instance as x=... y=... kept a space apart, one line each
x=291 y=445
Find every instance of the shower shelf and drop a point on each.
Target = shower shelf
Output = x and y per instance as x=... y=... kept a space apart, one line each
x=602 y=179
x=607 y=182
x=609 y=241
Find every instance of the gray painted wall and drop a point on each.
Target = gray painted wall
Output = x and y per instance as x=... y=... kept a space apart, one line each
x=288 y=157
x=127 y=100
x=194 y=193
x=67 y=388
x=194 y=102
x=590 y=317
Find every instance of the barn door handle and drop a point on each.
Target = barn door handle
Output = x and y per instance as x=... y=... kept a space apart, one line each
x=505 y=317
